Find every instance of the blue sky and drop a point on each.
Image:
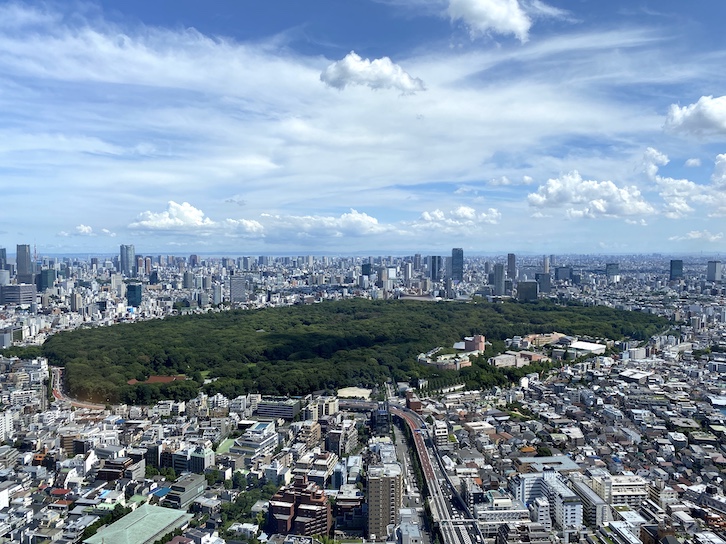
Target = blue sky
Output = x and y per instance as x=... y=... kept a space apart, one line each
x=391 y=126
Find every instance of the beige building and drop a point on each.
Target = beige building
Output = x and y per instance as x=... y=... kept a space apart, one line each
x=385 y=496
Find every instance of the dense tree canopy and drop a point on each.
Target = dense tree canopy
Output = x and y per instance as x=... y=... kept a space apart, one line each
x=299 y=349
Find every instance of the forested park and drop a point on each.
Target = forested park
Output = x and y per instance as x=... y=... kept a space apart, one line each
x=299 y=349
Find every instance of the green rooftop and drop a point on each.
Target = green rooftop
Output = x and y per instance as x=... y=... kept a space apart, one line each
x=145 y=525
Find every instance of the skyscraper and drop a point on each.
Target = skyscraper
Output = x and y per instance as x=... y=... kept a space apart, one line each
x=457 y=264
x=676 y=272
x=713 y=273
x=133 y=294
x=435 y=267
x=237 y=288
x=24 y=264
x=511 y=266
x=3 y=258
x=498 y=279
x=127 y=260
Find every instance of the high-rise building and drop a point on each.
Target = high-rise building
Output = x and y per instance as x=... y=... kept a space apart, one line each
x=24 y=264
x=435 y=262
x=127 y=260
x=527 y=291
x=385 y=496
x=3 y=258
x=417 y=262
x=457 y=264
x=612 y=272
x=498 y=279
x=511 y=266
x=133 y=294
x=676 y=272
x=546 y=264
x=714 y=271
x=545 y=282
x=237 y=288
x=46 y=279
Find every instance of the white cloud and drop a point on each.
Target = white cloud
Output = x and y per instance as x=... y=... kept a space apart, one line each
x=84 y=230
x=108 y=233
x=652 y=160
x=350 y=224
x=586 y=198
x=176 y=217
x=699 y=235
x=462 y=220
x=377 y=74
x=718 y=178
x=692 y=163
x=707 y=116
x=498 y=16
x=504 y=181
x=245 y=227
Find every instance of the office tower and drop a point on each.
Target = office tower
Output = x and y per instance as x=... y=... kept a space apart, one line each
x=545 y=282
x=24 y=264
x=46 y=279
x=18 y=295
x=385 y=496
x=511 y=266
x=188 y=280
x=193 y=261
x=676 y=272
x=545 y=264
x=127 y=260
x=133 y=294
x=435 y=263
x=457 y=264
x=714 y=271
x=407 y=272
x=527 y=291
x=563 y=273
x=3 y=258
x=612 y=272
x=237 y=288
x=498 y=279
x=367 y=269
x=417 y=262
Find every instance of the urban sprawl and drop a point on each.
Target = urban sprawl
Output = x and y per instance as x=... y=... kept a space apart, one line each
x=620 y=443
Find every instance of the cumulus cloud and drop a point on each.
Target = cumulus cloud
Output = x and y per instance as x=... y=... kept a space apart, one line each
x=652 y=161
x=483 y=17
x=459 y=220
x=718 y=178
x=377 y=74
x=587 y=198
x=108 y=233
x=707 y=116
x=245 y=227
x=698 y=235
x=84 y=230
x=350 y=224
x=175 y=217
x=692 y=163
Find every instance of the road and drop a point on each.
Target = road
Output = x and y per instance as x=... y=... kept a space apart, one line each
x=56 y=383
x=454 y=526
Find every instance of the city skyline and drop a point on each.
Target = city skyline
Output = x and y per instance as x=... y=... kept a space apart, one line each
x=401 y=125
